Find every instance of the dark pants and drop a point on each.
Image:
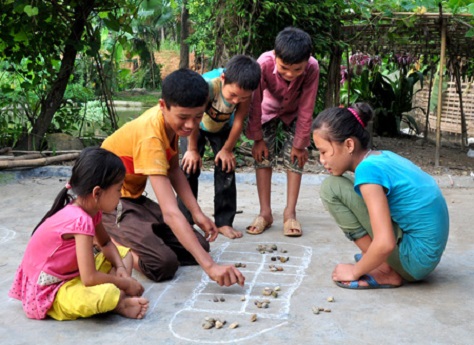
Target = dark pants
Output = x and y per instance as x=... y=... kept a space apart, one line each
x=138 y=224
x=225 y=191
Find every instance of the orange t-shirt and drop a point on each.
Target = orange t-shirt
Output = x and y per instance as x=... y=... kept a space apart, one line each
x=144 y=148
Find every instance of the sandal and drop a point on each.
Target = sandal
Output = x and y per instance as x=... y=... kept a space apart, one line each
x=292 y=224
x=259 y=224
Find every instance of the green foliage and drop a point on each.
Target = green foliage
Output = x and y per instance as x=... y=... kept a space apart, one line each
x=388 y=85
x=38 y=43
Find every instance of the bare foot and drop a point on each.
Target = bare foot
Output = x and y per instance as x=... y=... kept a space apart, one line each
x=230 y=232
x=132 y=307
x=384 y=275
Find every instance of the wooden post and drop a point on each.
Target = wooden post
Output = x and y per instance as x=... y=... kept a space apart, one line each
x=440 y=90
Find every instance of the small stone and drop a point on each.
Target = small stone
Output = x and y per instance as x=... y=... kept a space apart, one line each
x=330 y=299
x=242 y=298
x=218 y=324
x=216 y=299
x=327 y=310
x=207 y=325
x=273 y=258
x=233 y=325
x=253 y=318
x=277 y=288
x=274 y=294
x=315 y=310
x=222 y=299
x=274 y=247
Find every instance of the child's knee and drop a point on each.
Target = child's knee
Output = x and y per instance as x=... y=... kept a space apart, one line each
x=332 y=188
x=158 y=271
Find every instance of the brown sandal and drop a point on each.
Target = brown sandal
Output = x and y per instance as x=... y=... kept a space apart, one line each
x=259 y=224
x=292 y=224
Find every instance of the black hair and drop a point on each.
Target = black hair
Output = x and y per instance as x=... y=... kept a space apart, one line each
x=184 y=88
x=293 y=46
x=94 y=167
x=340 y=123
x=243 y=71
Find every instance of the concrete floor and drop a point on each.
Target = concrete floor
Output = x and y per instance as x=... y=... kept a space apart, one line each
x=438 y=310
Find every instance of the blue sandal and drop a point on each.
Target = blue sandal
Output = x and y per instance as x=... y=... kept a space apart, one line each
x=367 y=278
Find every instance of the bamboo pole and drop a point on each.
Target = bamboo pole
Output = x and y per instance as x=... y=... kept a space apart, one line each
x=37 y=162
x=440 y=91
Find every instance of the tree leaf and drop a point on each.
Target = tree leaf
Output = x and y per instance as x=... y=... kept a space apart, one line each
x=31 y=11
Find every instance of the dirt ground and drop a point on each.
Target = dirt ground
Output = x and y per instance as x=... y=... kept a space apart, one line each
x=452 y=161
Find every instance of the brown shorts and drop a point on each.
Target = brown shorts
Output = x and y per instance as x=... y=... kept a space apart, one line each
x=138 y=224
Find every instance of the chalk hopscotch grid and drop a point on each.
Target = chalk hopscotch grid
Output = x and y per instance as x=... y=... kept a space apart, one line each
x=284 y=298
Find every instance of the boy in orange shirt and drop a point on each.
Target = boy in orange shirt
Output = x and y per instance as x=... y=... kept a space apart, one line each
x=158 y=234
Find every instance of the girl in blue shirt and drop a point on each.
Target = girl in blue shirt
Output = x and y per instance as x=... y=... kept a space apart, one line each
x=392 y=210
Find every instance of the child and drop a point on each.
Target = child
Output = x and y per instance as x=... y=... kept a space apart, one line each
x=59 y=276
x=392 y=210
x=287 y=93
x=221 y=125
x=158 y=234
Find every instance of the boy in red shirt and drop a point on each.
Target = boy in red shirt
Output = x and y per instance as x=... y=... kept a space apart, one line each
x=287 y=94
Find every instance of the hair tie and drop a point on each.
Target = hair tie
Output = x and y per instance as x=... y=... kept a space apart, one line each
x=67 y=185
x=357 y=117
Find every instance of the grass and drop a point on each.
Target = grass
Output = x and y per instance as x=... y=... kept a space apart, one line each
x=148 y=98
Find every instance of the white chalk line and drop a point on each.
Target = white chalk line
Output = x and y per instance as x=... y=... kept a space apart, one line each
x=153 y=307
x=285 y=302
x=6 y=234
x=233 y=340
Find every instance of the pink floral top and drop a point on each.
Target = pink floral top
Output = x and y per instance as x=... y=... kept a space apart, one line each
x=50 y=260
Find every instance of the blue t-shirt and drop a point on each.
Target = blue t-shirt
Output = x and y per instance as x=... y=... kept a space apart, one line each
x=215 y=73
x=416 y=205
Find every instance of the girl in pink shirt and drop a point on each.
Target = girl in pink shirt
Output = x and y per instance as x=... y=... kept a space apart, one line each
x=60 y=276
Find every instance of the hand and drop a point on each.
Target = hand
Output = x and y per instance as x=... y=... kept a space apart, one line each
x=191 y=162
x=226 y=275
x=206 y=225
x=227 y=160
x=344 y=272
x=300 y=155
x=259 y=150
x=134 y=287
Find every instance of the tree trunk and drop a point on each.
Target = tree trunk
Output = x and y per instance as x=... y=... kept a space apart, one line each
x=219 y=33
x=331 y=98
x=184 y=47
x=53 y=100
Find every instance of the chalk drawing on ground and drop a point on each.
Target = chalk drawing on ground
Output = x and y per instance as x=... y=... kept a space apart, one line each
x=6 y=234
x=186 y=323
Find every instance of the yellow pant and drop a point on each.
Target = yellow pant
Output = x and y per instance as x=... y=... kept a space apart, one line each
x=74 y=300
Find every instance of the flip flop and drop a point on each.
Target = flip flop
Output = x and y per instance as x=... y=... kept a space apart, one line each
x=354 y=285
x=357 y=257
x=292 y=224
x=260 y=225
